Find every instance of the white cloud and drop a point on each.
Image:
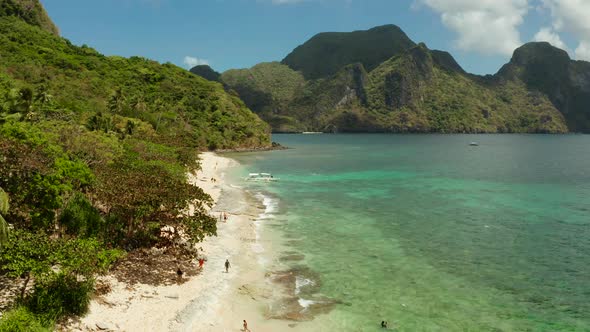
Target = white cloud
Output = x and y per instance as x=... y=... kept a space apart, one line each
x=583 y=51
x=549 y=35
x=572 y=16
x=190 y=61
x=484 y=26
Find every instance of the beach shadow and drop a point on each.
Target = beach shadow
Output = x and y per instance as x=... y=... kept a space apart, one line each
x=155 y=269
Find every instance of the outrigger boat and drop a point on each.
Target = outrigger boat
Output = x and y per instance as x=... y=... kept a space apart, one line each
x=261 y=177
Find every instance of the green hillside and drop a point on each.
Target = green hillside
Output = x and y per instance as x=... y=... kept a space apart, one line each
x=84 y=83
x=206 y=72
x=30 y=11
x=94 y=155
x=326 y=53
x=414 y=93
x=268 y=88
x=417 y=90
x=550 y=70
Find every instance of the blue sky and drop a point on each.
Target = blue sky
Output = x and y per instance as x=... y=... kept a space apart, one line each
x=481 y=34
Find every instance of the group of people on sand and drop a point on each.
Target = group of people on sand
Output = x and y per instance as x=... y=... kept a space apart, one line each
x=201 y=262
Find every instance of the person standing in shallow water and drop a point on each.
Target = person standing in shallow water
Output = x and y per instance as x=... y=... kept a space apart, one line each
x=227 y=265
x=246 y=326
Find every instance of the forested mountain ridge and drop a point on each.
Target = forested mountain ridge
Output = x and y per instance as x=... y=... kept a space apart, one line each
x=415 y=89
x=82 y=81
x=269 y=88
x=206 y=72
x=325 y=53
x=550 y=70
x=94 y=155
x=30 y=11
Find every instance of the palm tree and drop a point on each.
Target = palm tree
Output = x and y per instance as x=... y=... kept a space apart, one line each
x=19 y=101
x=27 y=98
x=3 y=224
x=11 y=101
x=158 y=107
x=138 y=105
x=43 y=96
x=117 y=101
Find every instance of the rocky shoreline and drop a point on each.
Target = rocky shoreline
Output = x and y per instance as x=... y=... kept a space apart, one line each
x=274 y=147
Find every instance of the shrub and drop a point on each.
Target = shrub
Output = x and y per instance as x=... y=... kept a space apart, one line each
x=80 y=217
x=60 y=296
x=20 y=319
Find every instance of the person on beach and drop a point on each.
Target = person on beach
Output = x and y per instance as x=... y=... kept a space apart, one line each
x=225 y=216
x=245 y=326
x=220 y=216
x=201 y=262
x=179 y=275
x=227 y=265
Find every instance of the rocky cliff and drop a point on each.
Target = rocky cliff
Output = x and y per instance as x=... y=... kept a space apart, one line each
x=331 y=84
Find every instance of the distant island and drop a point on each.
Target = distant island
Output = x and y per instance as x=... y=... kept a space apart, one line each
x=379 y=80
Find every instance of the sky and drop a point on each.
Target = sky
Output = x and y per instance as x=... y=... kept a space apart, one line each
x=226 y=34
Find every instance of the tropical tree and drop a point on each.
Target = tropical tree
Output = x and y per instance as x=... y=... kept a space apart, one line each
x=26 y=100
x=43 y=96
x=3 y=209
x=117 y=101
x=11 y=99
x=138 y=105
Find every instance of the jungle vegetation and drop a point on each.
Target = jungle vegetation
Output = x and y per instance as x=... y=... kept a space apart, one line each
x=94 y=156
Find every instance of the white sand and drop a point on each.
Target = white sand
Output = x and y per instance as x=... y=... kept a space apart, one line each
x=211 y=301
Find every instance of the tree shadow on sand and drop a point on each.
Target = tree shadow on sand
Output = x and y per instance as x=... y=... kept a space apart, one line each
x=156 y=267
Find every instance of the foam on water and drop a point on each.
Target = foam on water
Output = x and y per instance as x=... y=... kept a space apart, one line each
x=270 y=207
x=301 y=282
x=305 y=303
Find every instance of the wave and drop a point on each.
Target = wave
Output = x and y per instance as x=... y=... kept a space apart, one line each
x=305 y=303
x=301 y=282
x=271 y=207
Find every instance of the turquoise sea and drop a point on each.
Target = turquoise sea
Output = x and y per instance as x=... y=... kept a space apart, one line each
x=432 y=234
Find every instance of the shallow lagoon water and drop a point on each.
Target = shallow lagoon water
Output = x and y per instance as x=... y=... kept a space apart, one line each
x=432 y=234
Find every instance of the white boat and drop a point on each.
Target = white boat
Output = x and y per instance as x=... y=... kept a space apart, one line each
x=474 y=144
x=261 y=177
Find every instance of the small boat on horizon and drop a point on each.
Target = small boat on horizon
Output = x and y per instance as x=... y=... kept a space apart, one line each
x=473 y=144
x=266 y=177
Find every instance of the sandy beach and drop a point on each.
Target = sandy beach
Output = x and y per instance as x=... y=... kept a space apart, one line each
x=212 y=300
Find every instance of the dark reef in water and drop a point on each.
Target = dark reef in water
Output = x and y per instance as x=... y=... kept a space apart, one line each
x=302 y=300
